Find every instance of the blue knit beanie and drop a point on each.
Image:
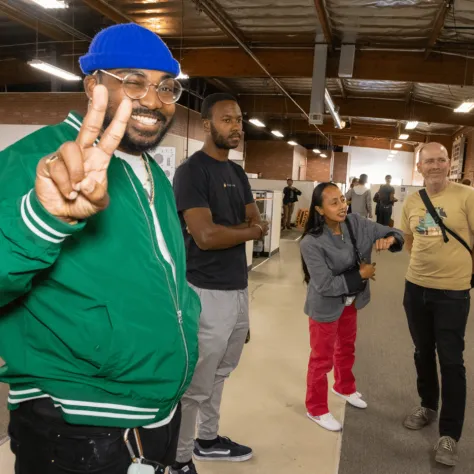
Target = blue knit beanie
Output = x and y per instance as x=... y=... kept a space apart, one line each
x=128 y=46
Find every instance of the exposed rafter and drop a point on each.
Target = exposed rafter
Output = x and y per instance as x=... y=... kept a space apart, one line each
x=324 y=21
x=372 y=108
x=20 y=16
x=438 y=26
x=109 y=11
x=369 y=65
x=225 y=24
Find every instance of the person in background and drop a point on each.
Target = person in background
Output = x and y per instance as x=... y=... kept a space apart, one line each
x=218 y=215
x=360 y=198
x=386 y=200
x=98 y=326
x=290 y=197
x=437 y=299
x=337 y=274
x=354 y=182
x=466 y=182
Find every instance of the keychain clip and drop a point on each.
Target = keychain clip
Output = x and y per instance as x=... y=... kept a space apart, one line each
x=140 y=465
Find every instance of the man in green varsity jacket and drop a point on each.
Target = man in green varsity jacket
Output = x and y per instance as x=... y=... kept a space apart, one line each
x=98 y=326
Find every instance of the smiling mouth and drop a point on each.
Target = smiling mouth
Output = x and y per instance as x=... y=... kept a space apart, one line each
x=145 y=120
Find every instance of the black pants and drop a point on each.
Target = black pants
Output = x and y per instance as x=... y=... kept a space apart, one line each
x=437 y=321
x=44 y=444
x=384 y=214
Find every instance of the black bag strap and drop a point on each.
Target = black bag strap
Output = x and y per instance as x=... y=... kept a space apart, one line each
x=436 y=217
x=353 y=240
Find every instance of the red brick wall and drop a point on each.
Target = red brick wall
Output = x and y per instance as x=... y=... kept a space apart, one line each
x=318 y=169
x=274 y=159
x=41 y=108
x=340 y=167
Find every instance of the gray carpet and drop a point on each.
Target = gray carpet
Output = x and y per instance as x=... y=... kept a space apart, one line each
x=374 y=440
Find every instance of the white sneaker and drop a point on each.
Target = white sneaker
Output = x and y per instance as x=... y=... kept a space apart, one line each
x=326 y=421
x=355 y=399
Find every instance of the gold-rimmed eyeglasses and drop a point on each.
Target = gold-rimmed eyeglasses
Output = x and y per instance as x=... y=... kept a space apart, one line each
x=136 y=86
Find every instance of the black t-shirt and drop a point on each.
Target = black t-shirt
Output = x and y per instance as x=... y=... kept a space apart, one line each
x=385 y=193
x=222 y=187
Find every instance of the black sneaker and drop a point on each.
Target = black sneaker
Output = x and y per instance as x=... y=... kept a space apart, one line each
x=188 y=469
x=223 y=450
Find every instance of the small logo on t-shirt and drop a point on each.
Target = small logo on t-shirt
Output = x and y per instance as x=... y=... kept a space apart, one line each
x=427 y=225
x=226 y=185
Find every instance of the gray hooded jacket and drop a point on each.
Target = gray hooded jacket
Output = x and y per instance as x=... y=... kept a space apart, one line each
x=330 y=260
x=361 y=200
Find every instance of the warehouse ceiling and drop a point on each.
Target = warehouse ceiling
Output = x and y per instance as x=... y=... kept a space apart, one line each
x=412 y=60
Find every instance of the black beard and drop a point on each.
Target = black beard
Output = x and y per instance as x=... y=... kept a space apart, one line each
x=220 y=141
x=151 y=140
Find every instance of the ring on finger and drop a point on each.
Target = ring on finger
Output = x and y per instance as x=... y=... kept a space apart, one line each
x=52 y=159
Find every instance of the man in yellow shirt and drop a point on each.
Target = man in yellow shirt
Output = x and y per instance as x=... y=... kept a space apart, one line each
x=437 y=299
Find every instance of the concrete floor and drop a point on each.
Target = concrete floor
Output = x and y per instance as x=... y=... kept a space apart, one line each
x=264 y=399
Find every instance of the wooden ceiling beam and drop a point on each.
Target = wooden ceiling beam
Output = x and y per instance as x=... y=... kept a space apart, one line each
x=324 y=22
x=372 y=108
x=369 y=65
x=438 y=26
x=108 y=11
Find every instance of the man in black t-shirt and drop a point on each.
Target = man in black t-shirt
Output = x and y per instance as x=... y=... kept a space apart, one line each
x=386 y=200
x=218 y=215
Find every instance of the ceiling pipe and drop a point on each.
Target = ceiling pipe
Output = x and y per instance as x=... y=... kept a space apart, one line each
x=210 y=10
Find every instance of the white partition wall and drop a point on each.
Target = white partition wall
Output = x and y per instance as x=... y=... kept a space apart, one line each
x=376 y=164
x=9 y=134
x=306 y=187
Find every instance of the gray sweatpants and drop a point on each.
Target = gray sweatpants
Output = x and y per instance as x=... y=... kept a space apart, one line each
x=223 y=329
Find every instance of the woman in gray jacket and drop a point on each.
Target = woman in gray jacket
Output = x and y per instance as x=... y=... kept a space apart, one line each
x=336 y=252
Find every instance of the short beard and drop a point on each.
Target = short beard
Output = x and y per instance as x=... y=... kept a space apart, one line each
x=219 y=140
x=151 y=140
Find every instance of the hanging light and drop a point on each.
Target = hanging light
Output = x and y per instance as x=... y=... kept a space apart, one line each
x=411 y=125
x=316 y=151
x=292 y=143
x=277 y=133
x=51 y=4
x=53 y=70
x=465 y=107
x=257 y=122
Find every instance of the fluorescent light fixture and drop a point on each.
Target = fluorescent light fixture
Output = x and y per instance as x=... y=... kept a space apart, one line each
x=55 y=71
x=465 y=107
x=277 y=133
x=323 y=155
x=182 y=76
x=397 y=145
x=411 y=125
x=257 y=122
x=49 y=4
x=404 y=136
x=316 y=151
x=292 y=143
x=332 y=110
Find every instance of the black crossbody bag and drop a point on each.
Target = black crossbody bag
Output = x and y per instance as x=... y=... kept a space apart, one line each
x=358 y=255
x=444 y=229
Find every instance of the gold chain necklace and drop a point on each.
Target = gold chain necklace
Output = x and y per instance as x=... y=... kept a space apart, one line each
x=151 y=195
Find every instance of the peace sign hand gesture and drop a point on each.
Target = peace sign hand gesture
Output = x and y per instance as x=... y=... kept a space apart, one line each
x=71 y=184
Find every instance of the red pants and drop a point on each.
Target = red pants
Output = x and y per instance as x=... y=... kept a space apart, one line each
x=332 y=344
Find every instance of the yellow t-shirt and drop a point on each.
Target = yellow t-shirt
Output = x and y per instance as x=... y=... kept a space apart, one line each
x=434 y=263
